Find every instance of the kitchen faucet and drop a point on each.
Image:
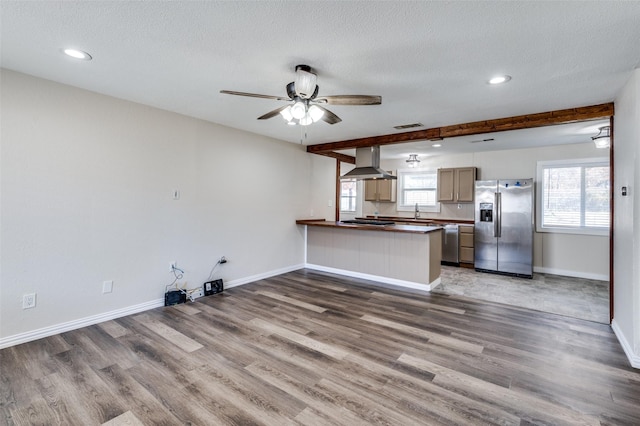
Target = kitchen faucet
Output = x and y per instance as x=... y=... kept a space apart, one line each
x=417 y=213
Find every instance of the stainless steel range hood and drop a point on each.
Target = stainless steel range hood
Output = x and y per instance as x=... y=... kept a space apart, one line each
x=368 y=165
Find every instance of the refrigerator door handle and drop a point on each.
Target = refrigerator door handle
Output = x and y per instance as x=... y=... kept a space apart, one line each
x=497 y=224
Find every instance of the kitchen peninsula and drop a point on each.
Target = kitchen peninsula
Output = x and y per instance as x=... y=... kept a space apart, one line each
x=402 y=255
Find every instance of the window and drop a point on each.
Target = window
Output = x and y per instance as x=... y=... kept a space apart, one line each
x=348 y=193
x=418 y=187
x=573 y=196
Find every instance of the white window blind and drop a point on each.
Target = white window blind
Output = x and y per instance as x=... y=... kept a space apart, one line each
x=574 y=196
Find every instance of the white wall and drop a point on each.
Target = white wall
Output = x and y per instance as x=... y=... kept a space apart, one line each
x=86 y=196
x=563 y=254
x=626 y=259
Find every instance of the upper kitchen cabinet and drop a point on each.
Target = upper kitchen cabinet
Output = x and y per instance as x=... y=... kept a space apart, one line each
x=456 y=185
x=380 y=190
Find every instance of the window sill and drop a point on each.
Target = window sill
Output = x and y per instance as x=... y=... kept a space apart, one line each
x=596 y=232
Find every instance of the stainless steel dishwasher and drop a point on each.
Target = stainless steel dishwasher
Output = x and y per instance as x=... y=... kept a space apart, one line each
x=450 y=255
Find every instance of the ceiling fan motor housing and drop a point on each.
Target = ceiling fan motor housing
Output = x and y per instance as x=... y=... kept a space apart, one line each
x=305 y=84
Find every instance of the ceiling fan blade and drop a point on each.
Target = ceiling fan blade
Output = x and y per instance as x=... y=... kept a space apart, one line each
x=329 y=117
x=254 y=95
x=350 y=100
x=272 y=113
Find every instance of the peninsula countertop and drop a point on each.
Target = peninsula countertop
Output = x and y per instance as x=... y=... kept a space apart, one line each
x=411 y=229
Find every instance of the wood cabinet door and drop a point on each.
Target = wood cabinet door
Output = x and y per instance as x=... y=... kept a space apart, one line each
x=384 y=189
x=446 y=179
x=466 y=240
x=371 y=190
x=465 y=183
x=466 y=255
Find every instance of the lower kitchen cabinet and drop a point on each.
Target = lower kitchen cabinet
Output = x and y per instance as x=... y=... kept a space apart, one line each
x=466 y=246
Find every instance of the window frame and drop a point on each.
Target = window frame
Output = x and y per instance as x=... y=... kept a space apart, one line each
x=401 y=173
x=354 y=197
x=582 y=163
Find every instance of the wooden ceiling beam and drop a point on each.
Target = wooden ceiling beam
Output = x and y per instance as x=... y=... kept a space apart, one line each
x=529 y=121
x=375 y=140
x=342 y=157
x=519 y=122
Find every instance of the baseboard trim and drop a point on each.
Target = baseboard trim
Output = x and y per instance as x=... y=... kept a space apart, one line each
x=634 y=359
x=262 y=276
x=386 y=280
x=574 y=274
x=30 y=336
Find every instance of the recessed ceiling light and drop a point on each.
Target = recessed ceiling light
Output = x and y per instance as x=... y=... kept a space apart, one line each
x=500 y=79
x=436 y=145
x=77 y=54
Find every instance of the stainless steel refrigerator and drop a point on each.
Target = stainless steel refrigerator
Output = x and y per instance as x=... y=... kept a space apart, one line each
x=503 y=241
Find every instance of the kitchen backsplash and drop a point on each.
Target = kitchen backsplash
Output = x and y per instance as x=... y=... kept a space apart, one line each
x=447 y=211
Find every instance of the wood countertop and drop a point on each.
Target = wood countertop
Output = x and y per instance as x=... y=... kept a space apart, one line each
x=424 y=220
x=412 y=229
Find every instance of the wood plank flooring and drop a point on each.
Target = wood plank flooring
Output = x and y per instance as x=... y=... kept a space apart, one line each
x=309 y=348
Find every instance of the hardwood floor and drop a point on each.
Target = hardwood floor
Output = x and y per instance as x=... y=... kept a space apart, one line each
x=309 y=348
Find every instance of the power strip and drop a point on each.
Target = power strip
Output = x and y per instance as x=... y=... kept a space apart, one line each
x=196 y=293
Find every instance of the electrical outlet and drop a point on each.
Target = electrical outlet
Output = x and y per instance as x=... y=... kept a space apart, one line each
x=173 y=265
x=29 y=301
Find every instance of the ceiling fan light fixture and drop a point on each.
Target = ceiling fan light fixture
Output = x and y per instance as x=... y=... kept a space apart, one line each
x=603 y=138
x=305 y=81
x=286 y=114
x=413 y=160
x=298 y=110
x=306 y=120
x=315 y=113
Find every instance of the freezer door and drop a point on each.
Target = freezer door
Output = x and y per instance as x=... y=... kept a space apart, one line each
x=485 y=241
x=515 y=245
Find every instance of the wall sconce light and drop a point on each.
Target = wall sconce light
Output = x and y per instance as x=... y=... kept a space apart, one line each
x=602 y=139
x=413 y=160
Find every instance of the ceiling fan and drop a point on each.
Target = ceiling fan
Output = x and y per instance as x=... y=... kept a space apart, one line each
x=306 y=107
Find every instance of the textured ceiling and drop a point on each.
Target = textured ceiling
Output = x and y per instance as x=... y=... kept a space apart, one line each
x=428 y=60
